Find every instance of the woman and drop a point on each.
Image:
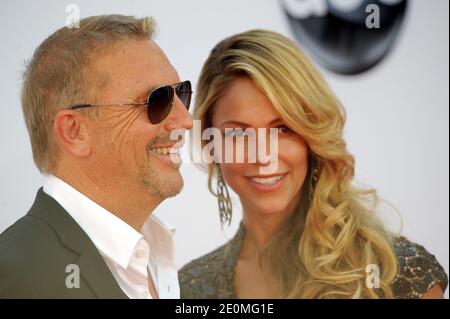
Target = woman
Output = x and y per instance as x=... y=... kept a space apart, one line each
x=307 y=232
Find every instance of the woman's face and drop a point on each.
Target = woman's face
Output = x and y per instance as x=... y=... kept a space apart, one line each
x=244 y=105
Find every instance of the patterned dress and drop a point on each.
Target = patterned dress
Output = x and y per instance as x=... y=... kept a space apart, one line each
x=212 y=275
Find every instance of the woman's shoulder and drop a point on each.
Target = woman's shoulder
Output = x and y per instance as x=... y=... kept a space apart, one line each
x=208 y=276
x=204 y=264
x=419 y=270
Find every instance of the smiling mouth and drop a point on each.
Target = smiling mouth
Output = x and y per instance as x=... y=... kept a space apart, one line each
x=166 y=150
x=266 y=180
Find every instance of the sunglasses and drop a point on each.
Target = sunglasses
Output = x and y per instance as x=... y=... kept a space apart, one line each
x=159 y=101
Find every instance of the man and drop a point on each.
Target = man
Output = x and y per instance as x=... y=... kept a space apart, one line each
x=100 y=103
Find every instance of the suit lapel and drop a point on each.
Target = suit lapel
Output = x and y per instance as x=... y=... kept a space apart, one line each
x=98 y=276
x=92 y=266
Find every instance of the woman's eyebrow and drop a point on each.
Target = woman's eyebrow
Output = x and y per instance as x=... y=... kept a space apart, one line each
x=246 y=124
x=275 y=121
x=233 y=122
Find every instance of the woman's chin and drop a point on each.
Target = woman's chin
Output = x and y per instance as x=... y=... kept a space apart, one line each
x=269 y=210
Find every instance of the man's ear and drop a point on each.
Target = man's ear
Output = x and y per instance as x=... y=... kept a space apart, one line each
x=71 y=133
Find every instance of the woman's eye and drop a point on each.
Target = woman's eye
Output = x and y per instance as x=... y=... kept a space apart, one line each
x=238 y=132
x=284 y=129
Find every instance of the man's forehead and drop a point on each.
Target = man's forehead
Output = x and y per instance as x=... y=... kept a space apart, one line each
x=136 y=64
x=133 y=54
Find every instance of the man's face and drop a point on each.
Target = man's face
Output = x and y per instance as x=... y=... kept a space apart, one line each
x=126 y=147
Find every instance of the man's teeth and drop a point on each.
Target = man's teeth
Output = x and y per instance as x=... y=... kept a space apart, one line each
x=266 y=180
x=165 y=150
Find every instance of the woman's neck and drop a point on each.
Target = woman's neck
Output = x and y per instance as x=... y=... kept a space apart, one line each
x=259 y=230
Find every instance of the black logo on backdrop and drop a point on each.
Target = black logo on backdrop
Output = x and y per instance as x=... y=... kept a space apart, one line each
x=346 y=36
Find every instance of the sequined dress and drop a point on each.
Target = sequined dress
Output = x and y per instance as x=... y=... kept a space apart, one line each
x=212 y=275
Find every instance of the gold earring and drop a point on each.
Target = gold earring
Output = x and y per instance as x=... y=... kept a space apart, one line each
x=223 y=199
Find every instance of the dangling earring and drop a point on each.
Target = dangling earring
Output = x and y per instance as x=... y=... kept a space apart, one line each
x=223 y=199
x=314 y=175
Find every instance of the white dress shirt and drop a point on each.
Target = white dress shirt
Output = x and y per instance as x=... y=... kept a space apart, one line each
x=129 y=255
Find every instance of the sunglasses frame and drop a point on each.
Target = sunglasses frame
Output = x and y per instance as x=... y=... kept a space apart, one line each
x=173 y=87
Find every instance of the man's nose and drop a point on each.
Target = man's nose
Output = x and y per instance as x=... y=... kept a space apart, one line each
x=179 y=117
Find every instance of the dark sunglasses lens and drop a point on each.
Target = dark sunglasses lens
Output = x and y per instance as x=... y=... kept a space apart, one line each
x=159 y=104
x=184 y=92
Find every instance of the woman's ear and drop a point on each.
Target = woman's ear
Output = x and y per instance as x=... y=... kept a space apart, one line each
x=71 y=133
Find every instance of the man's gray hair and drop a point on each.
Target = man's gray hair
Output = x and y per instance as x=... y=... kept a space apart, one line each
x=58 y=74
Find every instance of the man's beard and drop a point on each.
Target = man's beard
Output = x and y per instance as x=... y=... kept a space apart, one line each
x=159 y=184
x=156 y=182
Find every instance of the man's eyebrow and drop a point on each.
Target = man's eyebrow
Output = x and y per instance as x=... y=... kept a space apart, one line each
x=144 y=93
x=247 y=125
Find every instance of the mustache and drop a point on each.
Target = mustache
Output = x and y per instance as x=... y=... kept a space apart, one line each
x=165 y=138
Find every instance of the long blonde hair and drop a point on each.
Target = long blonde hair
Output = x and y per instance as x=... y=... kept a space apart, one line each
x=334 y=235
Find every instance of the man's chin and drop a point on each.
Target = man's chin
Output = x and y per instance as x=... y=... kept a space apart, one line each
x=164 y=185
x=173 y=184
x=174 y=193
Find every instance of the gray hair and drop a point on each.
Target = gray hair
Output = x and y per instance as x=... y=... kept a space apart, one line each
x=57 y=75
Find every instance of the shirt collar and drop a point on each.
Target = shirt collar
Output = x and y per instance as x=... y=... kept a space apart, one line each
x=160 y=237
x=112 y=236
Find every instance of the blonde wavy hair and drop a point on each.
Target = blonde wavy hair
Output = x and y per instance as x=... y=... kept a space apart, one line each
x=334 y=234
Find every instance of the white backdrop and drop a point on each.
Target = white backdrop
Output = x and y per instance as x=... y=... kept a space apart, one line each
x=398 y=113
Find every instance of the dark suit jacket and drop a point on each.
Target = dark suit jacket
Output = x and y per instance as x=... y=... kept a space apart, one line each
x=35 y=251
